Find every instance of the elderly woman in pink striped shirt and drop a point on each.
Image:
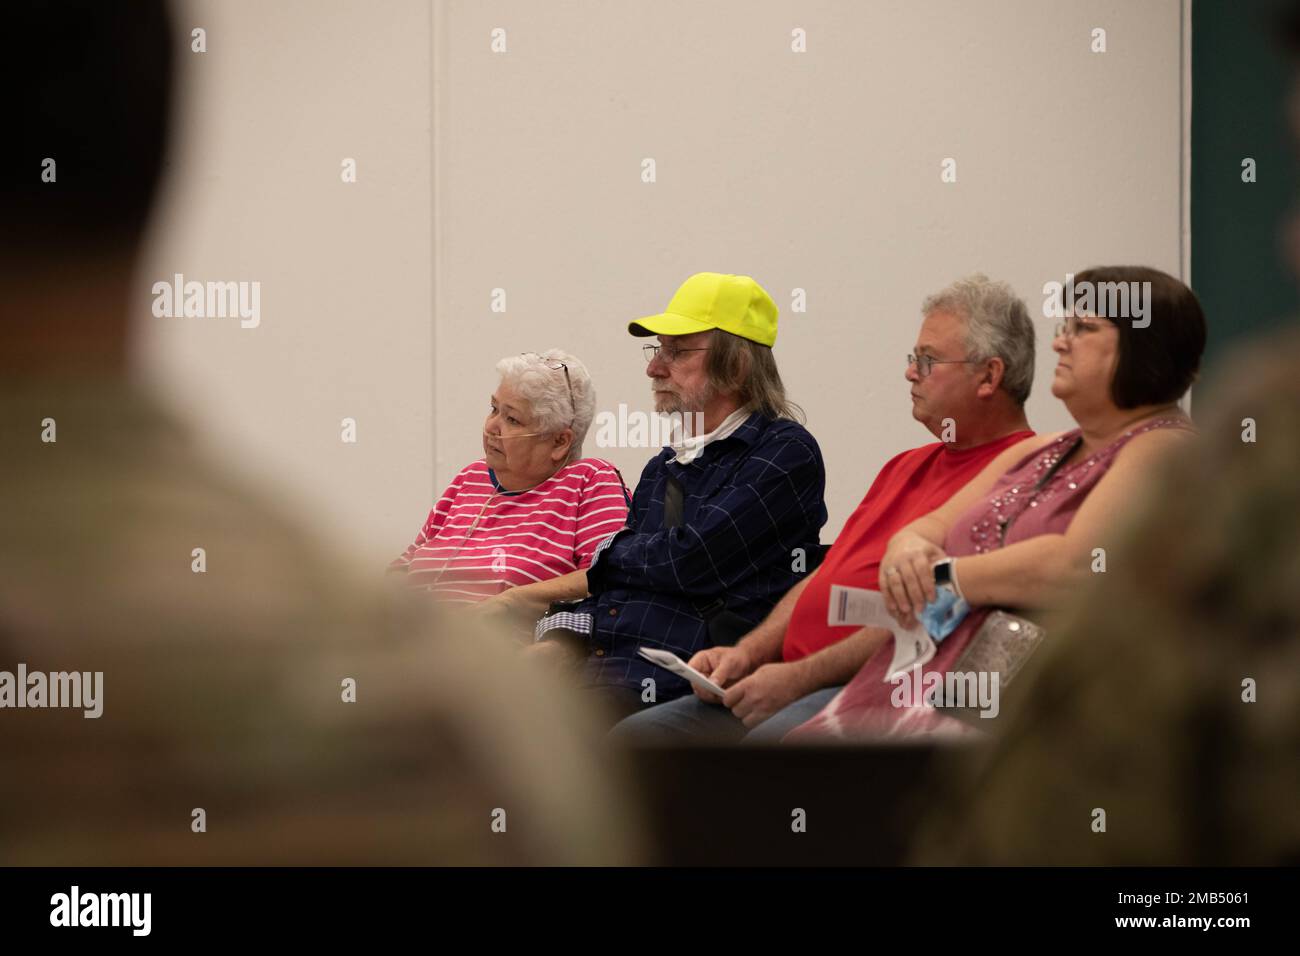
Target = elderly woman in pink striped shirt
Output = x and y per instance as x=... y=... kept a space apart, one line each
x=532 y=509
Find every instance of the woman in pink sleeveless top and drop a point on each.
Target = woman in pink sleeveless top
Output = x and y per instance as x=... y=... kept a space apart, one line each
x=1025 y=530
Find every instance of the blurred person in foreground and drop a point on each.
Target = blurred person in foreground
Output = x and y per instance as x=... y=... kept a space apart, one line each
x=224 y=732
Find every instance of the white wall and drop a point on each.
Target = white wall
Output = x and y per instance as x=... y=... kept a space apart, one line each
x=817 y=170
x=286 y=91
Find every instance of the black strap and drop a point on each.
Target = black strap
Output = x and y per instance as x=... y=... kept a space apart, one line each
x=1056 y=465
x=623 y=484
x=1005 y=524
x=674 y=503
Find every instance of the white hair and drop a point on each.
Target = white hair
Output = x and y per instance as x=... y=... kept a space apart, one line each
x=547 y=392
x=997 y=324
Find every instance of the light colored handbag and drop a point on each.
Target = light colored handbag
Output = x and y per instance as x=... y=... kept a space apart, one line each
x=1001 y=645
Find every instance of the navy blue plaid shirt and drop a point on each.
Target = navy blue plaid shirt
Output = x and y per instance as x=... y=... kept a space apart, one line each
x=751 y=503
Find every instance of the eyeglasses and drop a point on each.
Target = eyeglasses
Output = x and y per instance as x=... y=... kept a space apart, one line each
x=1075 y=325
x=556 y=366
x=667 y=352
x=925 y=364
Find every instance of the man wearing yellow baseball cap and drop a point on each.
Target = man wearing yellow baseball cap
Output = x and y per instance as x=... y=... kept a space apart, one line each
x=724 y=521
x=731 y=320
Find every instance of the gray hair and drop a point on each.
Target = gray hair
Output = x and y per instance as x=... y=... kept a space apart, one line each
x=997 y=326
x=741 y=365
x=547 y=392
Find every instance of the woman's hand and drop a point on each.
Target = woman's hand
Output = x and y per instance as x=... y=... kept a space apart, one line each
x=906 y=575
x=517 y=602
x=504 y=604
x=513 y=609
x=559 y=655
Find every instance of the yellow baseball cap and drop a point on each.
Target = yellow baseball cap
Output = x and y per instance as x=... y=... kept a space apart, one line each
x=712 y=300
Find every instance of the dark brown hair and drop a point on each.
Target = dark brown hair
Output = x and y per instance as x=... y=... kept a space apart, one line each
x=1158 y=362
x=92 y=86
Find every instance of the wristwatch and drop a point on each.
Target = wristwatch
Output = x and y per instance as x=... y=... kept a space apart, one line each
x=945 y=575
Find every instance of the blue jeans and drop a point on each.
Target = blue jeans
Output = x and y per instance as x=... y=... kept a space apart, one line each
x=690 y=720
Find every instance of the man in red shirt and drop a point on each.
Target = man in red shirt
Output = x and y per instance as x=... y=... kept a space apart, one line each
x=970 y=376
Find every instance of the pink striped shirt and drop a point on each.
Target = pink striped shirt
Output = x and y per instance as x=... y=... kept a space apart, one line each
x=479 y=540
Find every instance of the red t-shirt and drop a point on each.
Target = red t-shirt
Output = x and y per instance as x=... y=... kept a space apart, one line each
x=910 y=485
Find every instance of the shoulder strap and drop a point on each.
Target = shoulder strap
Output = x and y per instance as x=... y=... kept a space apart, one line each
x=674 y=502
x=712 y=611
x=1113 y=449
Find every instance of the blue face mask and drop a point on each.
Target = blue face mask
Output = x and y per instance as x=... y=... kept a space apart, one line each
x=942 y=615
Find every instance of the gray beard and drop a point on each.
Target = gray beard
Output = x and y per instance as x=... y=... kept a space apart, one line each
x=688 y=403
